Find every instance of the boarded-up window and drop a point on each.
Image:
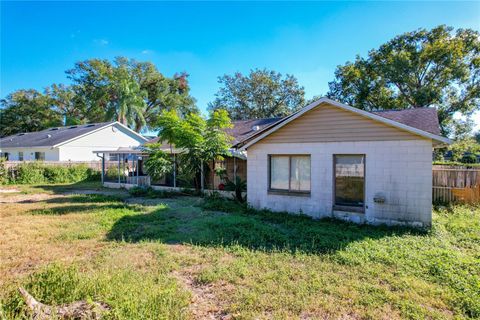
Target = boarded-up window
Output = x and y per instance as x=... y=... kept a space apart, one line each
x=290 y=173
x=349 y=180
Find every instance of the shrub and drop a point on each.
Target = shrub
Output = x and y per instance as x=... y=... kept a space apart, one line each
x=138 y=191
x=142 y=191
x=38 y=172
x=3 y=171
x=469 y=158
x=215 y=202
x=29 y=173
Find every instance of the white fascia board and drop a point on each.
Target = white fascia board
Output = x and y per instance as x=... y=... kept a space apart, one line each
x=352 y=109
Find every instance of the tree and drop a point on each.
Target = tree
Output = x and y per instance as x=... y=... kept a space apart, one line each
x=261 y=94
x=161 y=93
x=425 y=68
x=133 y=92
x=25 y=111
x=127 y=98
x=202 y=140
x=464 y=147
x=63 y=99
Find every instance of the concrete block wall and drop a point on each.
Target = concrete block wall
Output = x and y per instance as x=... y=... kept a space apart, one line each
x=399 y=170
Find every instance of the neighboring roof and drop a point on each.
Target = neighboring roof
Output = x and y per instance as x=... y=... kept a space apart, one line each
x=422 y=121
x=425 y=119
x=53 y=137
x=242 y=129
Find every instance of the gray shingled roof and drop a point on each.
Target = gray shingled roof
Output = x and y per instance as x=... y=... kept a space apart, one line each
x=425 y=119
x=243 y=129
x=49 y=137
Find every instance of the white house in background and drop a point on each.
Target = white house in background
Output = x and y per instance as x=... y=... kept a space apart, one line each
x=333 y=160
x=69 y=143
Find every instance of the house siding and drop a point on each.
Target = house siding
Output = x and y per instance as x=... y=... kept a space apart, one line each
x=51 y=154
x=328 y=123
x=400 y=170
x=81 y=149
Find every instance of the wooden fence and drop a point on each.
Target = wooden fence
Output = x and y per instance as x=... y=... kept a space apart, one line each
x=455 y=184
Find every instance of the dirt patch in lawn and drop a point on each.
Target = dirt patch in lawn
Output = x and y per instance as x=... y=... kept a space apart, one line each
x=12 y=190
x=28 y=198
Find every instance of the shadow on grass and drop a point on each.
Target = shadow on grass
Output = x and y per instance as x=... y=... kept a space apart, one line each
x=83 y=187
x=260 y=230
x=80 y=208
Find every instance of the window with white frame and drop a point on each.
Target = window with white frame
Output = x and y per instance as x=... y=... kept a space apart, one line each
x=20 y=156
x=289 y=173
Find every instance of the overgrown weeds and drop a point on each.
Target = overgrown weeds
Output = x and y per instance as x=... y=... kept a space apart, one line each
x=245 y=263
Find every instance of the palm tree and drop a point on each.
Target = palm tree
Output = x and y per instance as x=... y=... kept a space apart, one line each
x=129 y=102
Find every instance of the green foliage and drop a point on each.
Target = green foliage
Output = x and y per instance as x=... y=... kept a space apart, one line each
x=261 y=94
x=3 y=171
x=424 y=68
x=457 y=164
x=259 y=262
x=159 y=163
x=132 y=294
x=139 y=191
x=149 y=192
x=26 y=111
x=133 y=92
x=37 y=172
x=239 y=186
x=202 y=140
x=460 y=147
x=469 y=158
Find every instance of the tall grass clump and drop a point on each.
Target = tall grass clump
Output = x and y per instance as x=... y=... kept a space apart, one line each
x=131 y=294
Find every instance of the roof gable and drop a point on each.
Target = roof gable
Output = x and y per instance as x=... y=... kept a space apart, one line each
x=57 y=136
x=382 y=120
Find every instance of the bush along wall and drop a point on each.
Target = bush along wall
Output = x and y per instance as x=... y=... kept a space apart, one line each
x=37 y=172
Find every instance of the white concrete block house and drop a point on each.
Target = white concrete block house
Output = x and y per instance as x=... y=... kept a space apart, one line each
x=333 y=160
x=69 y=143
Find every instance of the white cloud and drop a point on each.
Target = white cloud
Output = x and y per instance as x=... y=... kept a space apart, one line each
x=146 y=51
x=102 y=42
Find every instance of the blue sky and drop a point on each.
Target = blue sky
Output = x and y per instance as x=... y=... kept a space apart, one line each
x=39 y=41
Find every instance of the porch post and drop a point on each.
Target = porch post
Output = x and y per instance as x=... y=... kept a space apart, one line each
x=103 y=168
x=118 y=168
x=202 y=183
x=174 y=171
x=138 y=183
x=234 y=169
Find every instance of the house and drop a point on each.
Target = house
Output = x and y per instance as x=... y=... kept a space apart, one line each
x=333 y=160
x=69 y=143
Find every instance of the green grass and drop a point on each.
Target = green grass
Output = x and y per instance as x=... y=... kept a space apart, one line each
x=147 y=261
